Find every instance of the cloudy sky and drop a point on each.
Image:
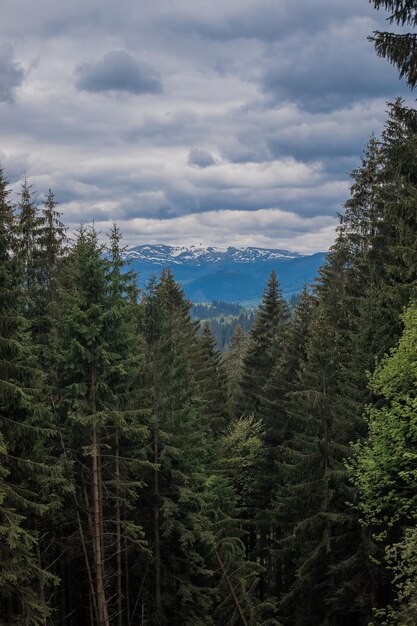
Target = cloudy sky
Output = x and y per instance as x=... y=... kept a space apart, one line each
x=227 y=122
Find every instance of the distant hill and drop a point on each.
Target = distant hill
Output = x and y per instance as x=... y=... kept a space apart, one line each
x=222 y=318
x=209 y=273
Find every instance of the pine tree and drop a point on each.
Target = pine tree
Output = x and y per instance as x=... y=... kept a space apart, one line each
x=323 y=544
x=99 y=366
x=233 y=363
x=264 y=345
x=277 y=429
x=84 y=353
x=27 y=227
x=211 y=379
x=28 y=482
x=49 y=256
x=179 y=590
x=127 y=429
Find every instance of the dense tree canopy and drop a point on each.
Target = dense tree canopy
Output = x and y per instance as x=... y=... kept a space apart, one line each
x=146 y=478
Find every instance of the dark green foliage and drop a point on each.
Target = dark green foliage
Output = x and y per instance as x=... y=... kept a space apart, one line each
x=383 y=467
x=27 y=225
x=399 y=48
x=28 y=477
x=216 y=308
x=98 y=364
x=278 y=427
x=321 y=537
x=211 y=379
x=223 y=318
x=264 y=346
x=233 y=363
x=180 y=579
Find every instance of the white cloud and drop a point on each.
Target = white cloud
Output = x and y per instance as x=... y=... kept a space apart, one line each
x=272 y=228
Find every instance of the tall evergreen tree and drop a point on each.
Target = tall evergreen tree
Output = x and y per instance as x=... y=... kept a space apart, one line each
x=180 y=589
x=323 y=545
x=264 y=345
x=50 y=254
x=97 y=374
x=277 y=430
x=28 y=481
x=211 y=379
x=27 y=230
x=233 y=363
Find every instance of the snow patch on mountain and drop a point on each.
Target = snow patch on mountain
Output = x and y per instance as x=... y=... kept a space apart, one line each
x=161 y=254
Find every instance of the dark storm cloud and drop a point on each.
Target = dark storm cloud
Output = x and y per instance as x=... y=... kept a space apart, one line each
x=11 y=74
x=118 y=71
x=200 y=158
x=332 y=69
x=268 y=21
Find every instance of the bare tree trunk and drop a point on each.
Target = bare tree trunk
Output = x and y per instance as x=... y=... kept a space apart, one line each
x=101 y=598
x=127 y=590
x=231 y=589
x=102 y=535
x=41 y=589
x=93 y=598
x=118 y=535
x=157 y=497
x=103 y=619
x=157 y=555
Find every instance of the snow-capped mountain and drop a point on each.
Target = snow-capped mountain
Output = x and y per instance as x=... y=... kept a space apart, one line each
x=232 y=274
x=199 y=255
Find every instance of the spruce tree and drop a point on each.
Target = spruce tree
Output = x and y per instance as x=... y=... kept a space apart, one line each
x=127 y=428
x=179 y=586
x=28 y=222
x=99 y=365
x=233 y=363
x=50 y=253
x=211 y=379
x=277 y=430
x=264 y=345
x=29 y=481
x=321 y=542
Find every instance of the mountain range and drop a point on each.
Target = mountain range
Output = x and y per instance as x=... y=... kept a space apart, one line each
x=231 y=274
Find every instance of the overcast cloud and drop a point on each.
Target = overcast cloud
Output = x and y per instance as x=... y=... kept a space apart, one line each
x=227 y=122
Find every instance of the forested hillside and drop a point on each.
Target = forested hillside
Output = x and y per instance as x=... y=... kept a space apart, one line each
x=223 y=319
x=146 y=479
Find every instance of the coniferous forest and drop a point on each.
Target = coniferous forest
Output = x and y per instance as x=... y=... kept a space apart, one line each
x=147 y=479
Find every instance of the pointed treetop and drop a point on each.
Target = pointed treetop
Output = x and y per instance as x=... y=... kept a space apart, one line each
x=273 y=307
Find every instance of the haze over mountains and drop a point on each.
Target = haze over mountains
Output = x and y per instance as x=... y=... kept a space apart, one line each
x=231 y=274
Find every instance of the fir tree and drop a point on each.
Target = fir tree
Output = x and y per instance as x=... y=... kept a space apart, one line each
x=27 y=230
x=264 y=345
x=28 y=481
x=277 y=430
x=181 y=591
x=233 y=363
x=211 y=379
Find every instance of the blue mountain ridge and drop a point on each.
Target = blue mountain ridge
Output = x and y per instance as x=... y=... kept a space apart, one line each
x=209 y=273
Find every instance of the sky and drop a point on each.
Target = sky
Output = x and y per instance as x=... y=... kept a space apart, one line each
x=222 y=122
